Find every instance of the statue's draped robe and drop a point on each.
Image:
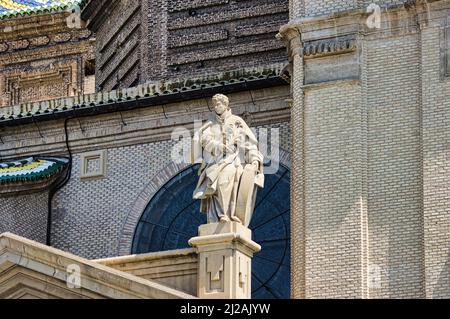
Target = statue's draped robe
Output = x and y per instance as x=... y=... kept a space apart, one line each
x=227 y=146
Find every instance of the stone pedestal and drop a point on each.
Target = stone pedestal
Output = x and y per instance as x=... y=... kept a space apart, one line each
x=225 y=256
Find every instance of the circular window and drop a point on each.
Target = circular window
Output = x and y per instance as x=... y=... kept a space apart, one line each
x=172 y=218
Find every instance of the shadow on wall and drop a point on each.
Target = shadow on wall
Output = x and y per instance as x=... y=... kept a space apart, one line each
x=442 y=288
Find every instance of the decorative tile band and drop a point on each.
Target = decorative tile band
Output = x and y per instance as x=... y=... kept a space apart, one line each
x=30 y=169
x=12 y=8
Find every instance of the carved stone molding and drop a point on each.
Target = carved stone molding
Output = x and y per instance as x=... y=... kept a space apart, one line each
x=62 y=37
x=45 y=40
x=3 y=47
x=19 y=44
x=290 y=35
x=51 y=82
x=330 y=46
x=40 y=41
x=93 y=164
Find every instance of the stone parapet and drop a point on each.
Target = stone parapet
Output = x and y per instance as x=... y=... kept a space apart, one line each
x=176 y=268
x=32 y=270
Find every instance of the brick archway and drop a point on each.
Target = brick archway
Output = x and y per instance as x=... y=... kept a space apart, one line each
x=142 y=200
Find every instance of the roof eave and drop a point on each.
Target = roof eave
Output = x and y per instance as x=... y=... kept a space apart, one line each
x=145 y=101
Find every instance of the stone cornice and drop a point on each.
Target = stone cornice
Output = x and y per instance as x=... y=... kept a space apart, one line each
x=331 y=46
x=341 y=24
x=20 y=49
x=294 y=34
x=297 y=26
x=65 y=49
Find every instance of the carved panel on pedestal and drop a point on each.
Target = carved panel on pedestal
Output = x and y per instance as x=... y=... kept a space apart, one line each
x=215 y=267
x=244 y=266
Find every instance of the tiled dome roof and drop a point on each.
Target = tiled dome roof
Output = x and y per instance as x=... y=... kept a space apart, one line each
x=11 y=8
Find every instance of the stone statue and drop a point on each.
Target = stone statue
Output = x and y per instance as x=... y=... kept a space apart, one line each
x=232 y=166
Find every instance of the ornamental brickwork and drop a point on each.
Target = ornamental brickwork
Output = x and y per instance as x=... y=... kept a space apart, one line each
x=153 y=40
x=47 y=57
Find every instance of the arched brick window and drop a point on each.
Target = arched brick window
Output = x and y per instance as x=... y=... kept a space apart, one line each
x=172 y=217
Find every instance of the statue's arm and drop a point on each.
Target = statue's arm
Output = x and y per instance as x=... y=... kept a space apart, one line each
x=215 y=147
x=253 y=155
x=256 y=158
x=198 y=143
x=208 y=141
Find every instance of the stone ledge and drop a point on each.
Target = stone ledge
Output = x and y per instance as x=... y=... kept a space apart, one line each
x=217 y=235
x=96 y=280
x=146 y=257
x=176 y=268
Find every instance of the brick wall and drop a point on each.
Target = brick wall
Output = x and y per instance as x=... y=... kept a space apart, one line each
x=221 y=35
x=436 y=164
x=152 y=40
x=319 y=7
x=89 y=214
x=310 y=8
x=391 y=126
x=118 y=48
x=25 y=215
x=333 y=151
x=394 y=166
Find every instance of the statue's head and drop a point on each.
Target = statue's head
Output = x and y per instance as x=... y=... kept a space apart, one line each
x=221 y=103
